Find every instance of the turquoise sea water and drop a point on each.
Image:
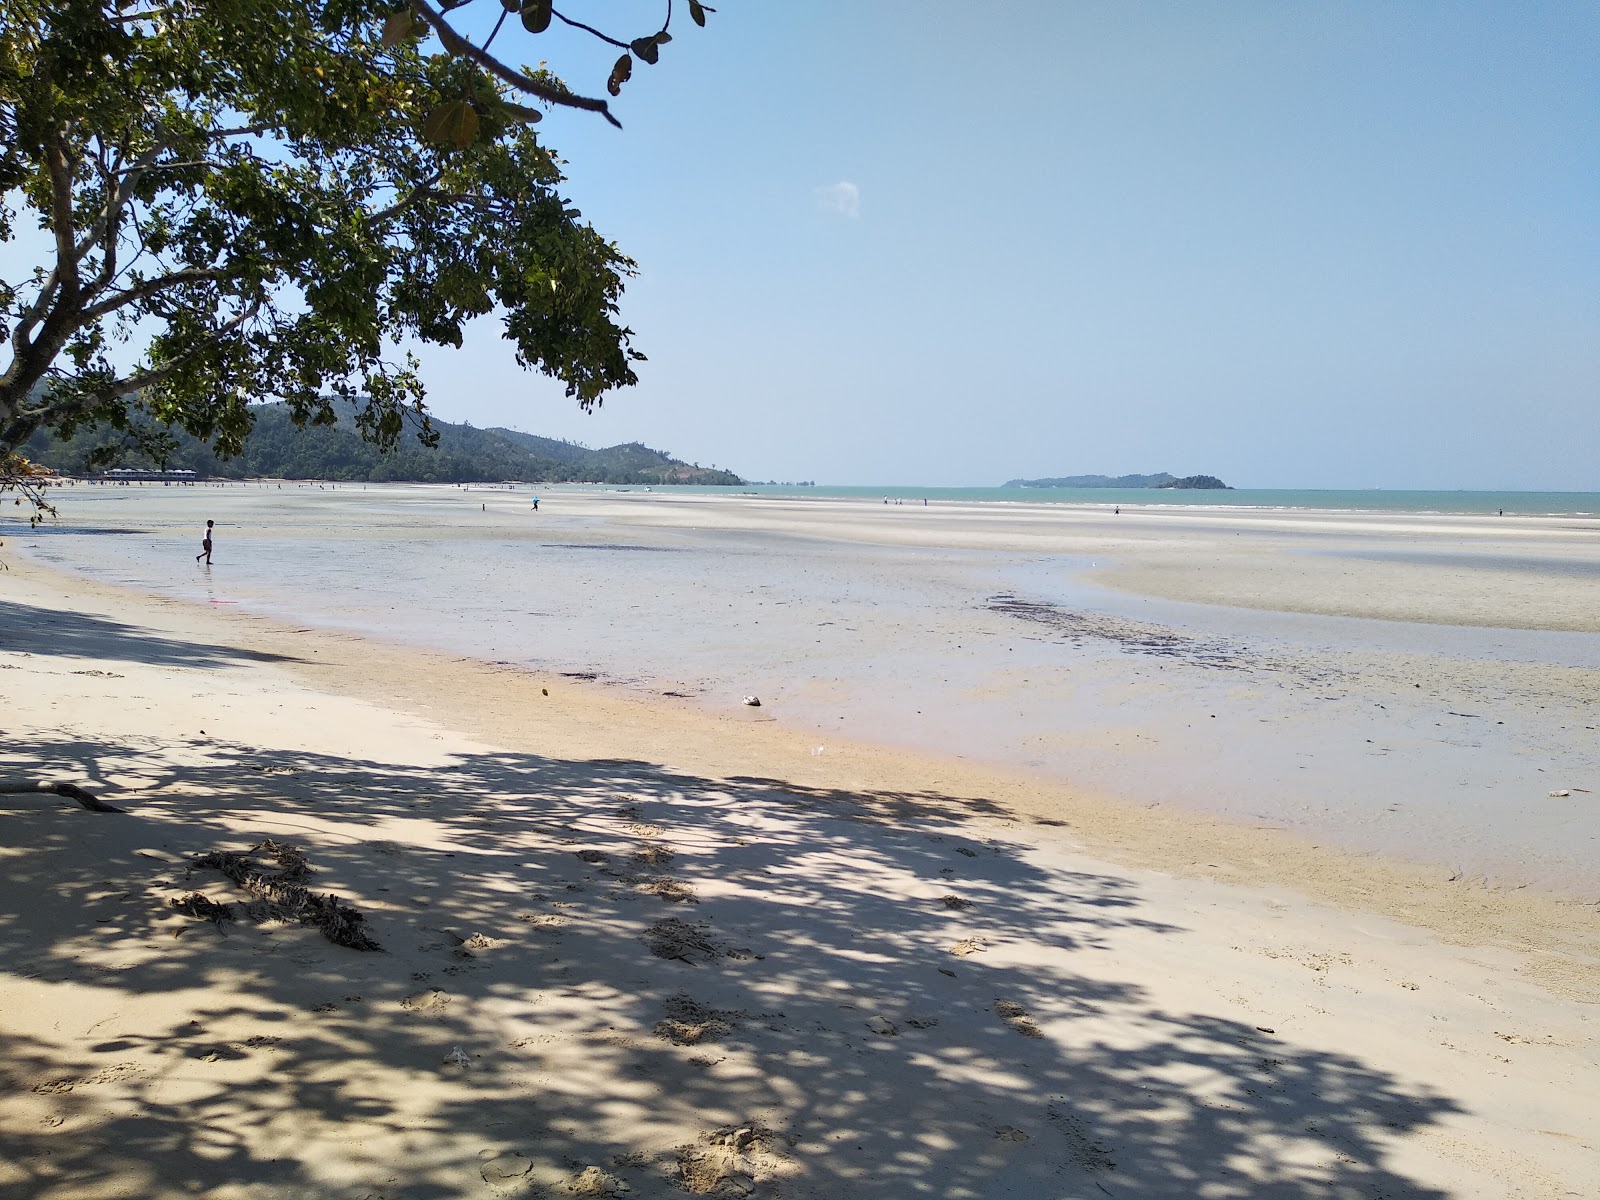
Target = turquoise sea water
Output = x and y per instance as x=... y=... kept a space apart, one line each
x=1373 y=499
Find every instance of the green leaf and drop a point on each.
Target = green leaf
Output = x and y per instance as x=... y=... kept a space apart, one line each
x=397 y=27
x=645 y=48
x=536 y=15
x=698 y=12
x=620 y=74
x=454 y=123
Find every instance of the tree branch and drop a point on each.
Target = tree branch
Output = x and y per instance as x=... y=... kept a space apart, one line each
x=406 y=201
x=13 y=787
x=457 y=44
x=150 y=287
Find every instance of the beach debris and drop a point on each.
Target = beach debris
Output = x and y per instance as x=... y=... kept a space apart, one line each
x=1559 y=793
x=1018 y=1017
x=688 y=1022
x=1010 y=1133
x=460 y=1058
x=753 y=701
x=652 y=854
x=882 y=1026
x=593 y=856
x=947 y=971
x=922 y=1022
x=677 y=939
x=967 y=851
x=955 y=902
x=194 y=904
x=281 y=894
x=968 y=946
x=71 y=791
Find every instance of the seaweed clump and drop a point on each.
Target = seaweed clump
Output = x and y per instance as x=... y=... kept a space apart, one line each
x=274 y=873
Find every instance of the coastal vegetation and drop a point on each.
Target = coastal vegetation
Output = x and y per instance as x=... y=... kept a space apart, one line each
x=1201 y=483
x=276 y=448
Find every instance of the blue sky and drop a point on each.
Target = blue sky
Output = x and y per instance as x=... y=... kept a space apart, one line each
x=947 y=243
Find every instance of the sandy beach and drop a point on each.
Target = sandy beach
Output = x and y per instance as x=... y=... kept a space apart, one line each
x=635 y=944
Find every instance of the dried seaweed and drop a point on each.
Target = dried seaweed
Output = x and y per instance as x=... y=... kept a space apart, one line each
x=281 y=893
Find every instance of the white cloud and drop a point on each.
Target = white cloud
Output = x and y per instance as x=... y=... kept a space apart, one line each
x=843 y=198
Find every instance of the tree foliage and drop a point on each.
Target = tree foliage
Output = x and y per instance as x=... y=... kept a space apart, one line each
x=254 y=199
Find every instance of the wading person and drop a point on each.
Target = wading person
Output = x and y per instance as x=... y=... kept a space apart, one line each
x=205 y=546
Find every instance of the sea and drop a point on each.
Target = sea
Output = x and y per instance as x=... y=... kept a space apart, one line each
x=1581 y=504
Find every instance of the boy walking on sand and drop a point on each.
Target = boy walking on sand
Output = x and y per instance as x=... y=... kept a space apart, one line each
x=205 y=546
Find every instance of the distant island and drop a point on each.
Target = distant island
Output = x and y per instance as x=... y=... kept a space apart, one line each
x=1159 y=480
x=276 y=449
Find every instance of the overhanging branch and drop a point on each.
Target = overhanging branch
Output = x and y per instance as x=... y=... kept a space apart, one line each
x=457 y=44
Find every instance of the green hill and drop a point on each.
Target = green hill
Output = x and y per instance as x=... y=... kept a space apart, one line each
x=277 y=449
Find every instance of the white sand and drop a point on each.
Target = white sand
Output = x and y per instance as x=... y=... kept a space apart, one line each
x=914 y=977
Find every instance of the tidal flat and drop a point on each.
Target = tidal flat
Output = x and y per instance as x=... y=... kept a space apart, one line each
x=1412 y=685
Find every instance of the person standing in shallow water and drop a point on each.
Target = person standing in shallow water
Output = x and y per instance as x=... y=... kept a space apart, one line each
x=205 y=545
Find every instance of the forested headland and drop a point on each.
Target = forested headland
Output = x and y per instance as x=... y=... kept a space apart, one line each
x=277 y=449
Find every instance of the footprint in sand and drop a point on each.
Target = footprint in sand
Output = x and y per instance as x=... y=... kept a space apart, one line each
x=677 y=939
x=1084 y=1149
x=732 y=1161
x=674 y=891
x=688 y=1022
x=1018 y=1017
x=430 y=1002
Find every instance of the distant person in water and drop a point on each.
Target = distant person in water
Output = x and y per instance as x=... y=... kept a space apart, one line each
x=536 y=504
x=205 y=545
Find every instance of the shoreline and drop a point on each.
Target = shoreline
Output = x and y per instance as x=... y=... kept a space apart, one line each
x=892 y=973
x=998 y=636
x=586 y=719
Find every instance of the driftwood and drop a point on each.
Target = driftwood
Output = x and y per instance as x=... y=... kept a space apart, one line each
x=15 y=787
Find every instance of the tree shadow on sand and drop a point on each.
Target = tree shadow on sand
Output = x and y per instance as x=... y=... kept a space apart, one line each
x=29 y=629
x=892 y=1009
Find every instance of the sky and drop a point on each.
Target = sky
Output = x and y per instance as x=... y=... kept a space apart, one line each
x=944 y=243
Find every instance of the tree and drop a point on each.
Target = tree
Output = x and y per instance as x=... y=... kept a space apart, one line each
x=254 y=199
